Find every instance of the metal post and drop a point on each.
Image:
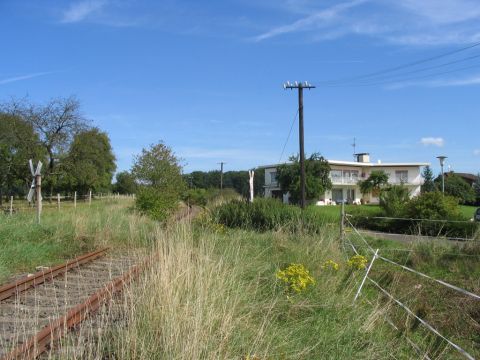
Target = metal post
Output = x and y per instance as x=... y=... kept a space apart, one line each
x=38 y=192
x=11 y=205
x=366 y=274
x=75 y=200
x=58 y=201
x=443 y=181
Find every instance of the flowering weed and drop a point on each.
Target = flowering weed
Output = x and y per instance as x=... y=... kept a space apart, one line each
x=296 y=277
x=330 y=265
x=357 y=262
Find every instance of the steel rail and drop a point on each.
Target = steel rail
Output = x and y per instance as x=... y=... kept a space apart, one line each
x=13 y=288
x=43 y=340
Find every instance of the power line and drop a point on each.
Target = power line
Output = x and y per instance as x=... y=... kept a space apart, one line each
x=428 y=68
x=398 y=67
x=407 y=79
x=288 y=137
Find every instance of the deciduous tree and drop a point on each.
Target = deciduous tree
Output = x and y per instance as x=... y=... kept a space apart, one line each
x=90 y=162
x=317 y=177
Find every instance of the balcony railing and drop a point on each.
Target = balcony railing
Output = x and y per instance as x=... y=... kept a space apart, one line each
x=353 y=181
x=344 y=180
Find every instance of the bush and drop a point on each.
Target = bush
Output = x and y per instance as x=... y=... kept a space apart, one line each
x=156 y=203
x=268 y=214
x=159 y=171
x=196 y=197
x=393 y=200
x=428 y=206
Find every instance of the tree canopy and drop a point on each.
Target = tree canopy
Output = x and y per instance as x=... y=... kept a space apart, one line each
x=428 y=180
x=158 y=173
x=18 y=144
x=374 y=183
x=90 y=162
x=457 y=187
x=125 y=183
x=317 y=177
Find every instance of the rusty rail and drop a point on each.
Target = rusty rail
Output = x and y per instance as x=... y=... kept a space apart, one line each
x=40 y=342
x=40 y=277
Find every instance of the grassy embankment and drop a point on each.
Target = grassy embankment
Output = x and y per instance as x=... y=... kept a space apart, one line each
x=67 y=233
x=212 y=292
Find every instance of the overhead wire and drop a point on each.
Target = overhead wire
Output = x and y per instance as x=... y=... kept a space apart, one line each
x=398 y=67
x=288 y=137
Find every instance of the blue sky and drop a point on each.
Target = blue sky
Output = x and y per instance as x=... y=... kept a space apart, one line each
x=206 y=76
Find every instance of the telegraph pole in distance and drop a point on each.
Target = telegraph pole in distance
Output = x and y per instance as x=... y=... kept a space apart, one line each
x=221 y=174
x=300 y=86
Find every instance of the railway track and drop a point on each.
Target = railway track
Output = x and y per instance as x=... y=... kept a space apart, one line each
x=39 y=309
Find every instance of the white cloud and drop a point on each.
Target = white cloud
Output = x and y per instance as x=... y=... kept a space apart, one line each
x=79 y=11
x=476 y=152
x=436 y=141
x=23 y=77
x=312 y=21
x=404 y=22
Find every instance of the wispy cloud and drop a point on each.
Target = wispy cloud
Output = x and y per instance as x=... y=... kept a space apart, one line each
x=405 y=22
x=435 y=141
x=81 y=10
x=310 y=22
x=24 y=77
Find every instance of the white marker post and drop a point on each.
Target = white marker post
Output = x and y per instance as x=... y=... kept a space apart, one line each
x=251 y=174
x=36 y=187
x=75 y=200
x=366 y=274
x=11 y=205
x=90 y=197
x=58 y=201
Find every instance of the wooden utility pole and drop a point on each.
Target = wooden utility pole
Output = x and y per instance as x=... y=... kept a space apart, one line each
x=300 y=86
x=221 y=174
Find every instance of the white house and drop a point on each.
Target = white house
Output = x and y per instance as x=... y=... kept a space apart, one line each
x=345 y=176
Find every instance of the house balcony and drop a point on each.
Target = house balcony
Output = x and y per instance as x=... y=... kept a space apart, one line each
x=344 y=180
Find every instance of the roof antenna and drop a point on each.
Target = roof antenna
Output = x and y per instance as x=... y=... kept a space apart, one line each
x=354 y=145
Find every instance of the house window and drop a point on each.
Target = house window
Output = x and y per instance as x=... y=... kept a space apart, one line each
x=273 y=177
x=401 y=176
x=336 y=176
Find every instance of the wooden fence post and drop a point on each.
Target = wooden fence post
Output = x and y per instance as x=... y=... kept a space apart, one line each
x=75 y=200
x=11 y=205
x=58 y=201
x=90 y=197
x=38 y=190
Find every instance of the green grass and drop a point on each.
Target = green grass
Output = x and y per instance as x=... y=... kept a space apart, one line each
x=65 y=234
x=468 y=211
x=212 y=292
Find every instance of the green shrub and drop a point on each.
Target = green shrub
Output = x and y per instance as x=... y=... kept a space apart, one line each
x=393 y=200
x=268 y=214
x=156 y=203
x=427 y=206
x=196 y=197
